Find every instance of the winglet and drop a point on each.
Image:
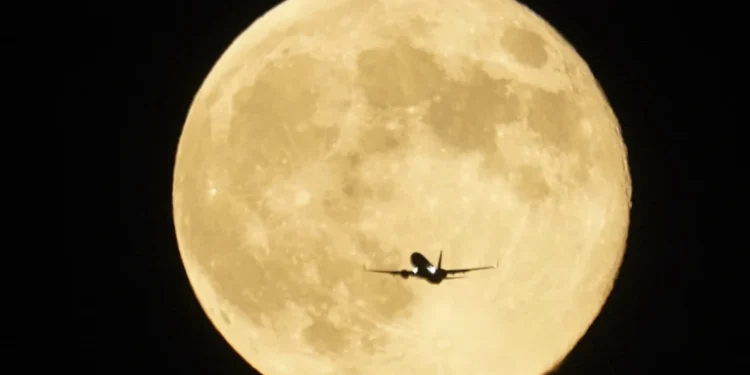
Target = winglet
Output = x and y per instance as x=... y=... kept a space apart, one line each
x=497 y=264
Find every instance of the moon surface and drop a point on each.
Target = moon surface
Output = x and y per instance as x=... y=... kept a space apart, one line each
x=341 y=133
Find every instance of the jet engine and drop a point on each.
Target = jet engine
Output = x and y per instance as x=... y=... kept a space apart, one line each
x=405 y=274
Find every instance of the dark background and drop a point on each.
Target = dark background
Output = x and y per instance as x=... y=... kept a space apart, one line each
x=144 y=62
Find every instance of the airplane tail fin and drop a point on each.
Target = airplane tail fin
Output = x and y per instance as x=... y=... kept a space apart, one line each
x=440 y=260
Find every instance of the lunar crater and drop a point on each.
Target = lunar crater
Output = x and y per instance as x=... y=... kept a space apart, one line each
x=526 y=46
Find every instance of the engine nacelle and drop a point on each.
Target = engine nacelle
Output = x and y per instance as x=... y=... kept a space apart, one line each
x=405 y=274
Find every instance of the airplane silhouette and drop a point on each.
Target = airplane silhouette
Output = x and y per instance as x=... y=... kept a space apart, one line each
x=425 y=270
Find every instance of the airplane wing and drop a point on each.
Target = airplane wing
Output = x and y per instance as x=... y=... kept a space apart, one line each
x=394 y=273
x=465 y=270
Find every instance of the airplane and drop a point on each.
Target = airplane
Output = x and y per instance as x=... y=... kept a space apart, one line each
x=425 y=270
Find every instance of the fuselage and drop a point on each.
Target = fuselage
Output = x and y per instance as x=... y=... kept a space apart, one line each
x=426 y=270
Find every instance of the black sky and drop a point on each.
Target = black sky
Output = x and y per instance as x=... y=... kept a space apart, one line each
x=144 y=62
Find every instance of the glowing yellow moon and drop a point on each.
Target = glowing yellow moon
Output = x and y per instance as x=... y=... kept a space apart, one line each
x=333 y=134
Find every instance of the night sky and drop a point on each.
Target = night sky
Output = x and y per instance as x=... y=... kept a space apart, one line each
x=144 y=63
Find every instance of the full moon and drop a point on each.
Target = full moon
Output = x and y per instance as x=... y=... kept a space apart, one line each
x=342 y=133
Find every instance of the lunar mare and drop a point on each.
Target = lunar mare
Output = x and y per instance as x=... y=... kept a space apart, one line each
x=336 y=134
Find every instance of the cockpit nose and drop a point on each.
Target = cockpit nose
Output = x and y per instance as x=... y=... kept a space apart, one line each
x=417 y=259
